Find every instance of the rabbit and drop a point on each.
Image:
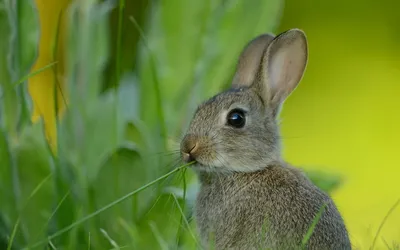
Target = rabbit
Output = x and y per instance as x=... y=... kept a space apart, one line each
x=249 y=197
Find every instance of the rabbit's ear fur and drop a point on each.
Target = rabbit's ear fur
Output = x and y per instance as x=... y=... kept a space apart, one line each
x=250 y=61
x=273 y=67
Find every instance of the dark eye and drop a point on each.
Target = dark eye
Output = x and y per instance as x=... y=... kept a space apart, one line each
x=236 y=118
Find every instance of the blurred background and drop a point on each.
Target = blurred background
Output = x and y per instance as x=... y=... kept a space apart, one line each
x=95 y=96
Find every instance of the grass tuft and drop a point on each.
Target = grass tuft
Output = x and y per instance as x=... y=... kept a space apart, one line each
x=35 y=190
x=110 y=205
x=383 y=223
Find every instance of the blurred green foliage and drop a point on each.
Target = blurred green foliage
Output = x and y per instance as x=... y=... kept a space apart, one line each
x=133 y=83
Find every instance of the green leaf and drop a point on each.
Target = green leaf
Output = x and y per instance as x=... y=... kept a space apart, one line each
x=34 y=161
x=28 y=35
x=5 y=172
x=314 y=223
x=8 y=98
x=90 y=130
x=26 y=77
x=18 y=50
x=328 y=182
x=127 y=45
x=8 y=211
x=121 y=173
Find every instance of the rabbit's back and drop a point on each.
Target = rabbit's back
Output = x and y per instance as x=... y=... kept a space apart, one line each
x=269 y=209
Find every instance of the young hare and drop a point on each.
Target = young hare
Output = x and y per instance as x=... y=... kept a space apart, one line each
x=249 y=197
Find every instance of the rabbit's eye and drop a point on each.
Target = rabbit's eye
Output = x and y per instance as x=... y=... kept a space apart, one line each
x=236 y=118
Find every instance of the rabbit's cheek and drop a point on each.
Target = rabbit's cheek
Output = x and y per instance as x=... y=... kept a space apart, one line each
x=207 y=156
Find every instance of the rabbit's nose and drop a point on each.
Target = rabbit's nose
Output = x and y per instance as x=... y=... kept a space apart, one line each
x=189 y=148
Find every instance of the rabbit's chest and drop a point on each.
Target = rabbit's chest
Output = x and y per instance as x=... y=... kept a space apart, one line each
x=225 y=214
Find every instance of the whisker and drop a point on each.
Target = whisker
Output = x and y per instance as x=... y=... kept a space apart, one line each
x=219 y=179
x=164 y=153
x=290 y=137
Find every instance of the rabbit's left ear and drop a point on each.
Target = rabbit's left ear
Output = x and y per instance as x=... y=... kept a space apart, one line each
x=282 y=67
x=250 y=61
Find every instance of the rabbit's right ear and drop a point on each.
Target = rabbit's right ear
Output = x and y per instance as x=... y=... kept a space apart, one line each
x=282 y=68
x=250 y=61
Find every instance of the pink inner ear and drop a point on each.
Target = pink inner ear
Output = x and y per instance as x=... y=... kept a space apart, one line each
x=280 y=72
x=286 y=67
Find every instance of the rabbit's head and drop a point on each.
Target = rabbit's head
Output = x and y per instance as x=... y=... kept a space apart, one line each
x=237 y=130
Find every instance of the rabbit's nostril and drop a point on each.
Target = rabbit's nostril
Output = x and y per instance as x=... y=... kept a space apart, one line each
x=194 y=148
x=189 y=148
x=188 y=154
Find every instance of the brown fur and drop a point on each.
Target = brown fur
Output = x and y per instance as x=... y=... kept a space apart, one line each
x=249 y=197
x=269 y=209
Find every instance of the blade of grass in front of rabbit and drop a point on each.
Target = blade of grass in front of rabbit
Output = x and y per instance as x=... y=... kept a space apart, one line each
x=263 y=232
x=312 y=227
x=164 y=182
x=108 y=206
x=184 y=219
x=139 y=217
x=183 y=216
x=211 y=240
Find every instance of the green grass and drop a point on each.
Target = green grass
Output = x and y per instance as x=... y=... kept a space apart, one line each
x=381 y=226
x=103 y=189
x=312 y=227
x=25 y=78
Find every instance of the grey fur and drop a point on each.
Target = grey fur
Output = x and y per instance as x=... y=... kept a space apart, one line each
x=249 y=197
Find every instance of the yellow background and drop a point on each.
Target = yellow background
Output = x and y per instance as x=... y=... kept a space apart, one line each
x=345 y=115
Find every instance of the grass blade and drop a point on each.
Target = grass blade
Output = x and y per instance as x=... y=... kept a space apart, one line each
x=52 y=245
x=383 y=223
x=157 y=234
x=37 y=188
x=119 y=38
x=112 y=242
x=89 y=243
x=184 y=218
x=312 y=227
x=116 y=202
x=14 y=232
x=157 y=89
x=23 y=79
x=53 y=213
x=178 y=235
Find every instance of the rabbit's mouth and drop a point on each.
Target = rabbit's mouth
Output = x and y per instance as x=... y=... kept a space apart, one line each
x=202 y=167
x=197 y=165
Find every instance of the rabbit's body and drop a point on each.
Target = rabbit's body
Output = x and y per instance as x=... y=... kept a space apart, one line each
x=250 y=198
x=269 y=209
